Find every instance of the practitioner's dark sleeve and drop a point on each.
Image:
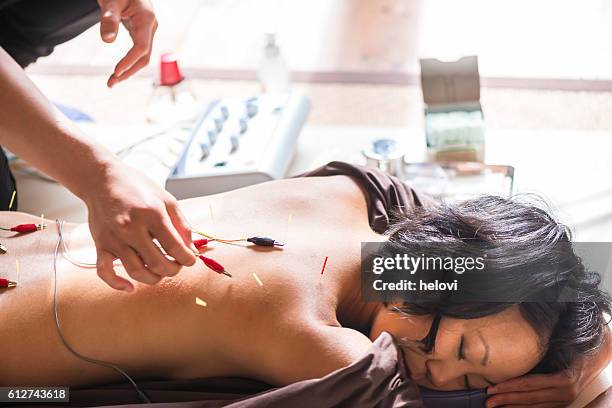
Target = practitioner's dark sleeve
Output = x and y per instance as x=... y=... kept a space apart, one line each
x=30 y=29
x=384 y=194
x=7 y=184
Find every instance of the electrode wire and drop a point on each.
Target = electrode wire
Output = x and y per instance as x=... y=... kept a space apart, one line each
x=65 y=255
x=163 y=132
x=90 y=265
x=80 y=264
x=213 y=238
x=101 y=363
x=117 y=262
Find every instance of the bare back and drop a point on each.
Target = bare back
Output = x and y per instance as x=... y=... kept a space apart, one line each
x=245 y=329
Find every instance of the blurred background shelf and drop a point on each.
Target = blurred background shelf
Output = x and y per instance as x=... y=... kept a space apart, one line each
x=545 y=43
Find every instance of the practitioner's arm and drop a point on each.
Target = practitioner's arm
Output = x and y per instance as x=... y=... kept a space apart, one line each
x=126 y=210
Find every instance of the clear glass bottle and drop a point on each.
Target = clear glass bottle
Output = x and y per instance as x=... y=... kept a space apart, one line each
x=273 y=72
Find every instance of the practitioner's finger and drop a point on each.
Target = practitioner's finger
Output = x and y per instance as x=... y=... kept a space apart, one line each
x=107 y=273
x=141 y=63
x=136 y=268
x=172 y=243
x=181 y=225
x=109 y=22
x=152 y=256
x=142 y=28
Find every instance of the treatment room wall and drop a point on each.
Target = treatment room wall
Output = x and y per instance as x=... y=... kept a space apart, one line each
x=513 y=38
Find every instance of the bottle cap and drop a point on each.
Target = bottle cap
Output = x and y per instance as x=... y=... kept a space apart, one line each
x=270 y=37
x=170 y=73
x=271 y=49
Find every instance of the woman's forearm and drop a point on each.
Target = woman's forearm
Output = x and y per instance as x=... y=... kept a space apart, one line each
x=32 y=128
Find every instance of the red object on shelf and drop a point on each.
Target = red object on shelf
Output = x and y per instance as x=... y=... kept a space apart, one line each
x=170 y=73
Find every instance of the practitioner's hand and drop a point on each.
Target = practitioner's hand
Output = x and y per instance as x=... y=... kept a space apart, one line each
x=126 y=212
x=139 y=19
x=549 y=390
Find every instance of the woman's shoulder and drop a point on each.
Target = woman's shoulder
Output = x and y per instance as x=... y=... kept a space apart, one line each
x=317 y=350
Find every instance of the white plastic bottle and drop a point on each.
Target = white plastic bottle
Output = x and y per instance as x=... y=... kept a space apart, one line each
x=273 y=72
x=172 y=101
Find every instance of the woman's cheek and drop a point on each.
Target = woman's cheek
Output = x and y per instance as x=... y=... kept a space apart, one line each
x=415 y=363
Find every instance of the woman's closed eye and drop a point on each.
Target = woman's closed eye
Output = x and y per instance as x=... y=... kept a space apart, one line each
x=461 y=356
x=483 y=362
x=461 y=350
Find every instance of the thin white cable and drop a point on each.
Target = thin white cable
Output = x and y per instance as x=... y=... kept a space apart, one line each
x=60 y=243
x=67 y=257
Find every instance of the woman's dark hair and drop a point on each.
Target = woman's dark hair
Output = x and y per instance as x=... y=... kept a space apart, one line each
x=528 y=254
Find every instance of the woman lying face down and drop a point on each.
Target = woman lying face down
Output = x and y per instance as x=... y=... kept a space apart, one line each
x=293 y=322
x=466 y=346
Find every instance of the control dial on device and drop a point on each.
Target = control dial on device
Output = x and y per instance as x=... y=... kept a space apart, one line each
x=204 y=150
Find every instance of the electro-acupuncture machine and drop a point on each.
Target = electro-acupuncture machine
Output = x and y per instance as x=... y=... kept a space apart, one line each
x=239 y=142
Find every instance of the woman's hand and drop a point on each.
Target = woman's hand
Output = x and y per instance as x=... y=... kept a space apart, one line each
x=139 y=19
x=537 y=390
x=127 y=211
x=550 y=390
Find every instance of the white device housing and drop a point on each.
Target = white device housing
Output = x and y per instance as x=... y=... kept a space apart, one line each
x=239 y=155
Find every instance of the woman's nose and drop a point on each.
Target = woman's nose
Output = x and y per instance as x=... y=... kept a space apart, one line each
x=442 y=374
